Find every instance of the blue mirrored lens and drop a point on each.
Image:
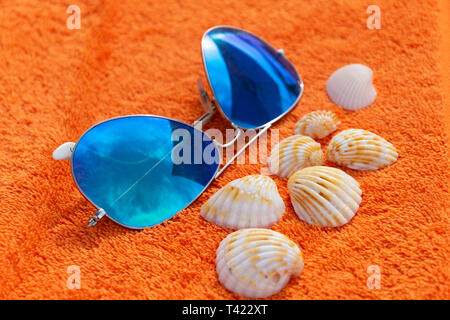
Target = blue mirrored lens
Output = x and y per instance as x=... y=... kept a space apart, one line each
x=253 y=83
x=142 y=170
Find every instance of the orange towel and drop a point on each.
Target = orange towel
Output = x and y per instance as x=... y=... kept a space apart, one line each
x=136 y=57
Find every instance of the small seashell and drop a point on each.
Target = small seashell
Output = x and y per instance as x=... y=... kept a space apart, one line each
x=351 y=87
x=317 y=124
x=248 y=202
x=324 y=196
x=294 y=153
x=257 y=263
x=361 y=150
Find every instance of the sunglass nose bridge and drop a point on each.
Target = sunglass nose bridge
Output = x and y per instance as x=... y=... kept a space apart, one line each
x=210 y=107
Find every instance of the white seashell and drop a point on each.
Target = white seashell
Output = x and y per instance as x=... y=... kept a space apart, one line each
x=248 y=202
x=317 y=124
x=324 y=196
x=257 y=263
x=351 y=87
x=361 y=150
x=294 y=153
x=64 y=151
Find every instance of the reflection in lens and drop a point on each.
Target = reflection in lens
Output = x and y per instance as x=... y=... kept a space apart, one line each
x=253 y=83
x=125 y=166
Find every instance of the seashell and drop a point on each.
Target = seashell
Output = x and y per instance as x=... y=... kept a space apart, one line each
x=361 y=150
x=257 y=263
x=294 y=153
x=351 y=87
x=317 y=124
x=248 y=202
x=324 y=196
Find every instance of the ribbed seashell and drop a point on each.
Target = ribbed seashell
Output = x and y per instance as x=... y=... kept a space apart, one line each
x=294 y=153
x=249 y=202
x=361 y=150
x=257 y=263
x=351 y=87
x=317 y=124
x=324 y=196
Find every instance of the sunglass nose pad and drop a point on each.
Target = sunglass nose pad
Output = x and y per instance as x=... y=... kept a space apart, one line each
x=64 y=151
x=206 y=103
x=204 y=97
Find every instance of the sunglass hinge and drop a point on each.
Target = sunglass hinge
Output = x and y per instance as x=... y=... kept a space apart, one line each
x=96 y=218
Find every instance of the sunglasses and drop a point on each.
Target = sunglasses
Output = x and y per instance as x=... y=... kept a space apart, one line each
x=141 y=170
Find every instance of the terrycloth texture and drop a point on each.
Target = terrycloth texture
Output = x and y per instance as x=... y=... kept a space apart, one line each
x=134 y=57
x=444 y=55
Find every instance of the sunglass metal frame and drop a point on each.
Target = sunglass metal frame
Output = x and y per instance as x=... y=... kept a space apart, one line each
x=210 y=106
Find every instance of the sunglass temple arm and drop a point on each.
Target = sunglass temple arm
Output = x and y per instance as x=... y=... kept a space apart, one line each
x=261 y=131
